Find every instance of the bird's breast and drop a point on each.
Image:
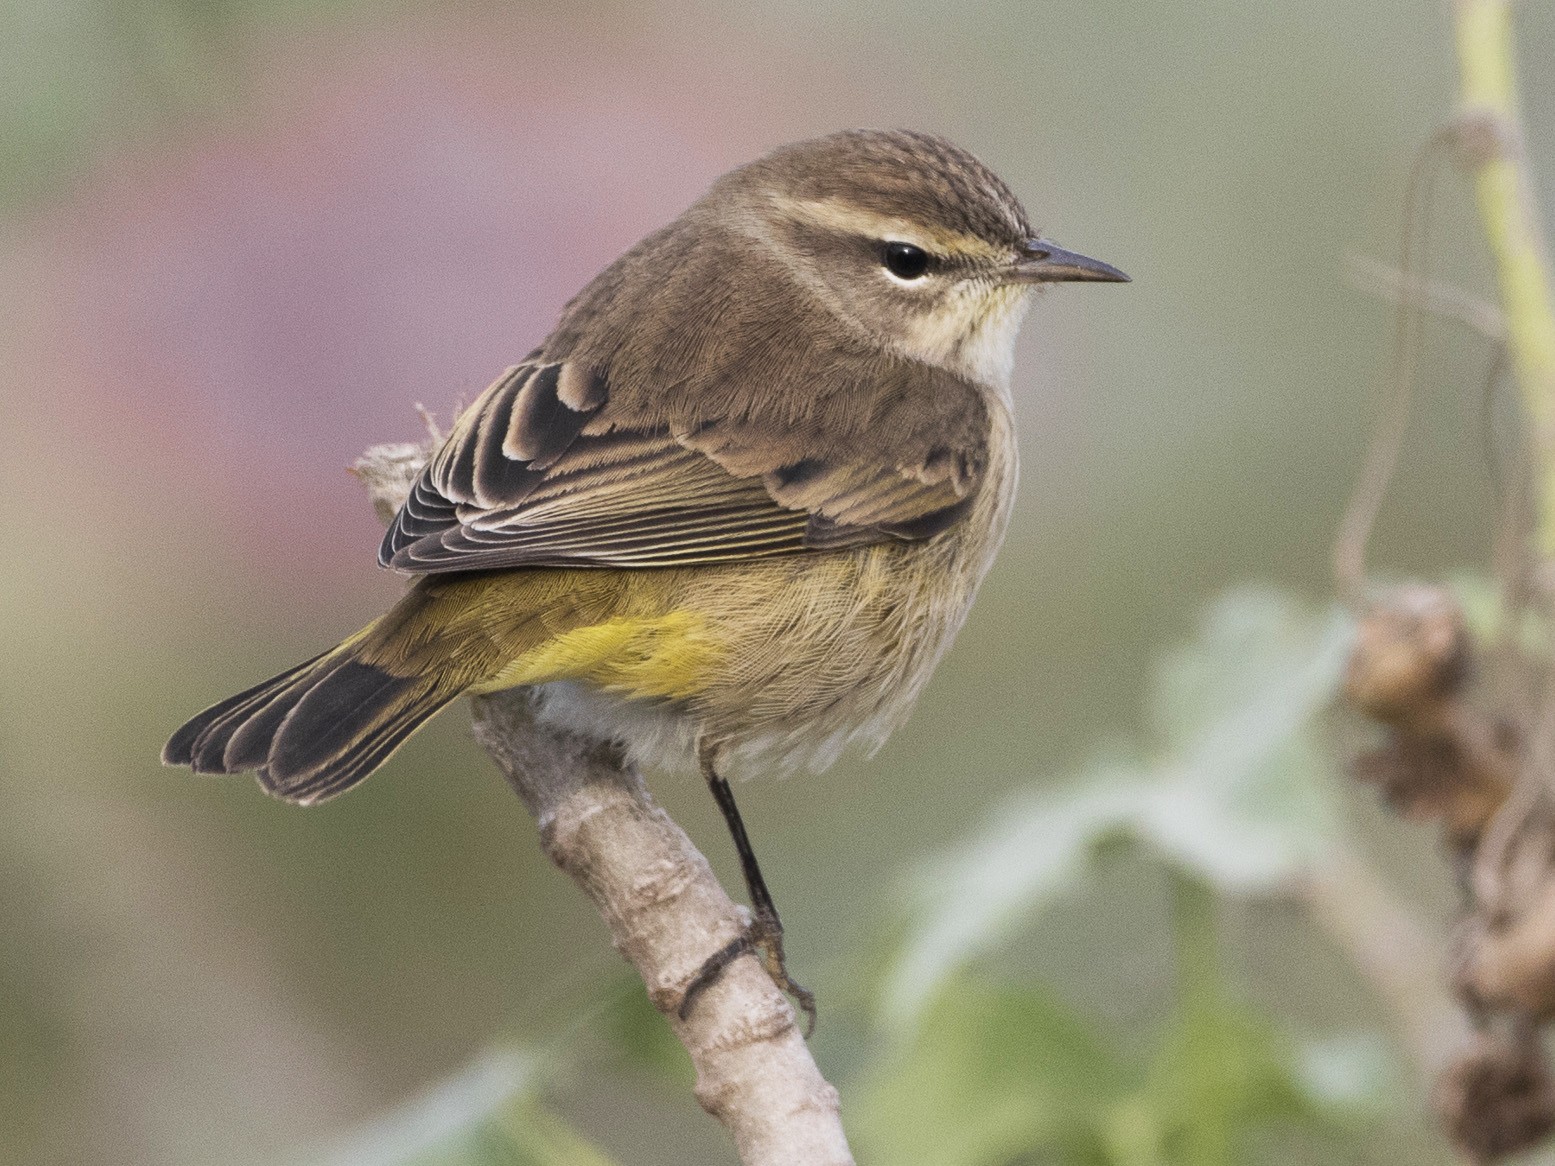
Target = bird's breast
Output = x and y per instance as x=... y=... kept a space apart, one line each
x=783 y=661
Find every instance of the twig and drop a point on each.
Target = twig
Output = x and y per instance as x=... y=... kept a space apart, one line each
x=1387 y=440
x=1432 y=296
x=1398 y=956
x=665 y=910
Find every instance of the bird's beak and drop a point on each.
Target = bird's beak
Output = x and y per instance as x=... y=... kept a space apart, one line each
x=1042 y=262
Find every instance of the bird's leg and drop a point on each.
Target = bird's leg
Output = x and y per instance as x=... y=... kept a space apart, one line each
x=764 y=937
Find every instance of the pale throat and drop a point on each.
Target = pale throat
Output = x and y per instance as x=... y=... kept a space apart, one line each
x=972 y=333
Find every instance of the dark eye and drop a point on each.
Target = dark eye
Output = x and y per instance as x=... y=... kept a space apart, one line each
x=905 y=261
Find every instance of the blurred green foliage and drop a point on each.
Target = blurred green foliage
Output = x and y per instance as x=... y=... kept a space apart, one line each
x=967 y=1070
x=1236 y=789
x=992 y=1075
x=1003 y=1075
x=487 y=1116
x=993 y=1072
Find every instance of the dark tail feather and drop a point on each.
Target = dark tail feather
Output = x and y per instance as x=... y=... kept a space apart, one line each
x=313 y=731
x=322 y=782
x=220 y=721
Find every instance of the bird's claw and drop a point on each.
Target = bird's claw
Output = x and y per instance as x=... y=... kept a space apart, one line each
x=763 y=938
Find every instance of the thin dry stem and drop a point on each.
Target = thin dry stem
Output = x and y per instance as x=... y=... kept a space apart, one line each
x=1432 y=296
x=1401 y=958
x=1349 y=553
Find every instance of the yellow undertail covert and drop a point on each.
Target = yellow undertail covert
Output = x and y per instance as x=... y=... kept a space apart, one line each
x=668 y=657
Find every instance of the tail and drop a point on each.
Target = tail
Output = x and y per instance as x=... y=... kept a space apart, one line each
x=319 y=728
x=316 y=730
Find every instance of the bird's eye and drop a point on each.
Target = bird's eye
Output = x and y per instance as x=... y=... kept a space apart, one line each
x=905 y=261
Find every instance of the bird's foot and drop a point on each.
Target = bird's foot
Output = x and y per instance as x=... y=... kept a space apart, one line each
x=763 y=938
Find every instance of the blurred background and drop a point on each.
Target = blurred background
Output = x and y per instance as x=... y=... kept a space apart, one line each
x=239 y=243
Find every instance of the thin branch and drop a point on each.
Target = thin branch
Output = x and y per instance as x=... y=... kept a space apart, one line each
x=665 y=910
x=667 y=914
x=1402 y=959
x=1432 y=296
x=1387 y=441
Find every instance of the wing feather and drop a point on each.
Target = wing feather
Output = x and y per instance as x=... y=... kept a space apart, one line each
x=549 y=468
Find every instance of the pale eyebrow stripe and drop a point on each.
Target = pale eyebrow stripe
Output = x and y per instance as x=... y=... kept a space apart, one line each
x=838 y=215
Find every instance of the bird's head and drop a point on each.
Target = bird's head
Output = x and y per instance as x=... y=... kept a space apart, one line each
x=906 y=238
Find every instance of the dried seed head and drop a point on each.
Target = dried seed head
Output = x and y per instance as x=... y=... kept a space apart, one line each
x=1411 y=650
x=1497 y=1098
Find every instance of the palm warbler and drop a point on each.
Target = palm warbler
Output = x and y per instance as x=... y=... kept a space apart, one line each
x=729 y=514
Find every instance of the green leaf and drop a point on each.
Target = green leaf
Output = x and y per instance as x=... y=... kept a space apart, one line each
x=1237 y=792
x=1242 y=794
x=969 y=900
x=1222 y=1073
x=486 y=1116
x=1000 y=1076
x=1222 y=1070
x=992 y=1074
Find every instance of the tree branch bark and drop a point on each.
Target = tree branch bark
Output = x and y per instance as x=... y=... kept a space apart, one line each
x=666 y=911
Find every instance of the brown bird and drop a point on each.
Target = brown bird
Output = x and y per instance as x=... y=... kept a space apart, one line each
x=729 y=514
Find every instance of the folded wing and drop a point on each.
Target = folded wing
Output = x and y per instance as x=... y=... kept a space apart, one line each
x=549 y=467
